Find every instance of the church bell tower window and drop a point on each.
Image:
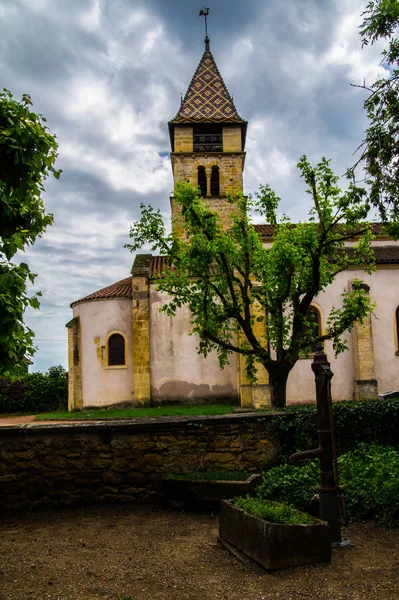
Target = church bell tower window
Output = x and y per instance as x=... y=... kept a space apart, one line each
x=215 y=186
x=208 y=138
x=202 y=180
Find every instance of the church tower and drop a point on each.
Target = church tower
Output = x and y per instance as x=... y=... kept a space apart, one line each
x=207 y=138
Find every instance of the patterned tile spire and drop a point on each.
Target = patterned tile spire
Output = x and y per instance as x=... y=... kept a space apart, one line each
x=207 y=98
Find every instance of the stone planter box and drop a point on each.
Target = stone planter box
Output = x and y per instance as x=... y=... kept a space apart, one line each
x=272 y=545
x=187 y=492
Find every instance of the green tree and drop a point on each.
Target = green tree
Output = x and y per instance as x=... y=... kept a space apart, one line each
x=379 y=150
x=219 y=274
x=27 y=156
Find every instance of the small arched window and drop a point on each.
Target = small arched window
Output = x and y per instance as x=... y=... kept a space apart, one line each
x=313 y=315
x=116 y=349
x=397 y=327
x=215 y=186
x=202 y=180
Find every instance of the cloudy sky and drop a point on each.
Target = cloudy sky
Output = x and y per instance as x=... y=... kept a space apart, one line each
x=108 y=76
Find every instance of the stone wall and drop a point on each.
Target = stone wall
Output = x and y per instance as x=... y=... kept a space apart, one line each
x=231 y=166
x=232 y=139
x=109 y=462
x=183 y=137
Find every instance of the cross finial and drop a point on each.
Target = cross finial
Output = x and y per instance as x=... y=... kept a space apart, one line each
x=204 y=13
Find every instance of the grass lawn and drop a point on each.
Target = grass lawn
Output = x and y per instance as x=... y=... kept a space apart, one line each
x=129 y=413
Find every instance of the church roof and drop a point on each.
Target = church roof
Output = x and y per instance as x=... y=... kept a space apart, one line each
x=383 y=255
x=386 y=254
x=120 y=289
x=207 y=98
x=157 y=264
x=266 y=230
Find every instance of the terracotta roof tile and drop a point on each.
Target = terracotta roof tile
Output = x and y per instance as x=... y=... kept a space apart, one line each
x=386 y=254
x=120 y=289
x=160 y=262
x=383 y=255
x=158 y=265
x=207 y=98
x=267 y=231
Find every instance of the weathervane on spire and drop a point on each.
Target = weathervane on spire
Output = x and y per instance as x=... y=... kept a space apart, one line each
x=204 y=13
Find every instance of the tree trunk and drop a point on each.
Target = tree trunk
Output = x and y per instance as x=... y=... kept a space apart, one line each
x=278 y=376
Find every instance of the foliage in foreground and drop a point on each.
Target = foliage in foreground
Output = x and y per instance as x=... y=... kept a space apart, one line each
x=253 y=300
x=27 y=156
x=35 y=392
x=379 y=149
x=369 y=474
x=355 y=422
x=272 y=511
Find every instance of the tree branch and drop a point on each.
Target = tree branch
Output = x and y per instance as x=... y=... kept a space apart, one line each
x=227 y=346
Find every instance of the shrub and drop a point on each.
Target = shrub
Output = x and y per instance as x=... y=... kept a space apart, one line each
x=355 y=422
x=272 y=511
x=11 y=395
x=36 y=392
x=294 y=486
x=369 y=474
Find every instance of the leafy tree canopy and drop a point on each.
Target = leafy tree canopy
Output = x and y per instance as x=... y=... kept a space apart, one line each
x=27 y=156
x=379 y=150
x=235 y=287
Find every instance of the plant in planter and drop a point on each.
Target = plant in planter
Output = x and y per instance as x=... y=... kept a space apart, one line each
x=274 y=535
x=201 y=485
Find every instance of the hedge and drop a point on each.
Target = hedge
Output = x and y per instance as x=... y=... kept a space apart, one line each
x=35 y=392
x=369 y=475
x=355 y=422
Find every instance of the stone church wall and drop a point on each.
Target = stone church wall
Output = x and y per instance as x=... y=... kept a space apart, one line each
x=178 y=372
x=63 y=465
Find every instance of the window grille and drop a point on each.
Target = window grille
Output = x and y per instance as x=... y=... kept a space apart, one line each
x=208 y=139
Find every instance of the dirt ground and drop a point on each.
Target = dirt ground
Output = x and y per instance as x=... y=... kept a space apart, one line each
x=151 y=553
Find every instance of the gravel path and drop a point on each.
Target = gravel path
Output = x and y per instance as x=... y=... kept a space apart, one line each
x=94 y=553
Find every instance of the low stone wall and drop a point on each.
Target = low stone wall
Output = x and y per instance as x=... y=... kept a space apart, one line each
x=122 y=461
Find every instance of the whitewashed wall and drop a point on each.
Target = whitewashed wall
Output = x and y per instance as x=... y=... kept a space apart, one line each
x=178 y=372
x=103 y=385
x=384 y=291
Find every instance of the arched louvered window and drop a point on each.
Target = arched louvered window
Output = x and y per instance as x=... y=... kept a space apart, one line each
x=397 y=327
x=116 y=349
x=314 y=317
x=215 y=187
x=202 y=180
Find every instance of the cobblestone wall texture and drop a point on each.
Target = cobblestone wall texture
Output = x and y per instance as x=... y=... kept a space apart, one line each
x=68 y=464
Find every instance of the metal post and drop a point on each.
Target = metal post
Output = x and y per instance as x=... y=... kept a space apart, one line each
x=328 y=490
